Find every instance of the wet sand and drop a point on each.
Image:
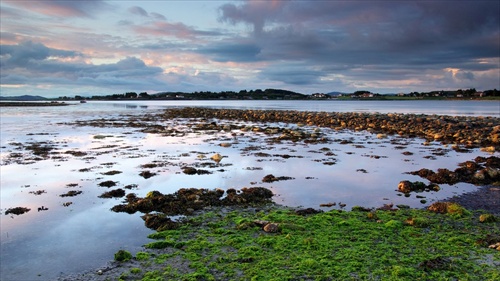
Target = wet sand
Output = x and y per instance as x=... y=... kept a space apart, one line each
x=486 y=198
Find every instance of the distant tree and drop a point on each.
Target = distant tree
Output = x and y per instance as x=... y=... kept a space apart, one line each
x=131 y=95
x=144 y=95
x=360 y=93
x=492 y=93
x=470 y=92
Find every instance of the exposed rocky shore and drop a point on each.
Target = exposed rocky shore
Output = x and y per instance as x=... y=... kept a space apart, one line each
x=461 y=133
x=459 y=130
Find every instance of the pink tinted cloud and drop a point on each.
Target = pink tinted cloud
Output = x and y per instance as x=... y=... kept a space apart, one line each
x=162 y=28
x=59 y=8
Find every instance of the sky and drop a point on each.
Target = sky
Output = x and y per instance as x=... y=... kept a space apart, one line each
x=94 y=47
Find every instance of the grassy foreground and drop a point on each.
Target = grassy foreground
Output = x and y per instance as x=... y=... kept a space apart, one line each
x=404 y=244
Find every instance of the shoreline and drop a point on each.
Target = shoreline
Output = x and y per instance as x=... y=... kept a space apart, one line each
x=483 y=199
x=305 y=119
x=125 y=270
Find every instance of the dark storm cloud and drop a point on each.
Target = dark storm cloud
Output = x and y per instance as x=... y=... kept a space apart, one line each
x=297 y=45
x=22 y=54
x=231 y=52
x=431 y=33
x=36 y=63
x=294 y=75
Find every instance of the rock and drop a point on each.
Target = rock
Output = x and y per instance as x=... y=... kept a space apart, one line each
x=225 y=144
x=216 y=157
x=438 y=136
x=361 y=209
x=107 y=183
x=123 y=255
x=147 y=174
x=439 y=207
x=447 y=208
x=485 y=218
x=260 y=223
x=113 y=193
x=495 y=246
x=189 y=170
x=328 y=205
x=405 y=186
x=308 y=211
x=271 y=228
x=159 y=222
x=272 y=178
x=490 y=149
x=17 y=210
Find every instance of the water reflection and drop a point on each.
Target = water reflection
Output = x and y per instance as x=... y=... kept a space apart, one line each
x=85 y=234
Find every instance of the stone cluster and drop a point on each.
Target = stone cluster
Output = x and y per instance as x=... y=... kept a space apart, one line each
x=460 y=130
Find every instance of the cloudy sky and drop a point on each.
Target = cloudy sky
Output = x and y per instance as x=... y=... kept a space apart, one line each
x=94 y=47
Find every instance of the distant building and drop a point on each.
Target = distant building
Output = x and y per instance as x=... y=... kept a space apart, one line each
x=320 y=95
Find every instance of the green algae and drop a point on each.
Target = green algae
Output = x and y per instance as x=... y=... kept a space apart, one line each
x=123 y=255
x=405 y=244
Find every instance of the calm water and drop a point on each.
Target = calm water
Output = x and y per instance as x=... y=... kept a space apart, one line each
x=85 y=235
x=455 y=108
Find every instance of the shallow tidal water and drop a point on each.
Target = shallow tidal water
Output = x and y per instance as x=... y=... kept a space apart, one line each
x=352 y=168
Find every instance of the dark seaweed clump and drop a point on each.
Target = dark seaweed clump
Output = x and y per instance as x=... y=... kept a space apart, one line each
x=113 y=193
x=71 y=193
x=17 y=210
x=481 y=171
x=187 y=200
x=272 y=178
x=107 y=183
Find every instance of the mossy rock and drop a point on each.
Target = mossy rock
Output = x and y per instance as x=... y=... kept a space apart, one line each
x=394 y=224
x=123 y=255
x=141 y=256
x=453 y=209
x=360 y=209
x=418 y=222
x=485 y=218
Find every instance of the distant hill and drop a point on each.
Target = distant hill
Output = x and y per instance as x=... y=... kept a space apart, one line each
x=24 y=98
